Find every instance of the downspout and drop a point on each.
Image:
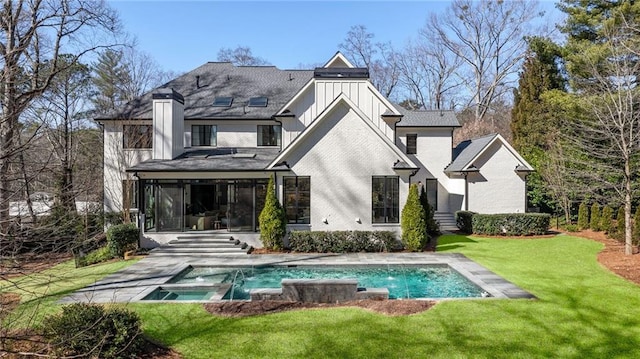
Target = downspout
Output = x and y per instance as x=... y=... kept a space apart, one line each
x=413 y=173
x=466 y=192
x=395 y=135
x=141 y=214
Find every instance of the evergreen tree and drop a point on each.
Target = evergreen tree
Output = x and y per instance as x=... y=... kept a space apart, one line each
x=533 y=119
x=636 y=226
x=432 y=226
x=414 y=228
x=109 y=79
x=583 y=216
x=606 y=219
x=594 y=221
x=273 y=223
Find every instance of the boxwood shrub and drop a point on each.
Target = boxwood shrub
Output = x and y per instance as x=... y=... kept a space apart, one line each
x=343 y=241
x=122 y=238
x=86 y=330
x=511 y=224
x=463 y=221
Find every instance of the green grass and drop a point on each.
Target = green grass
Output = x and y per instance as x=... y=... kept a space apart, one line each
x=583 y=311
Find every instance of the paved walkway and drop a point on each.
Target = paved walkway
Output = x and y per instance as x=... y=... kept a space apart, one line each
x=134 y=282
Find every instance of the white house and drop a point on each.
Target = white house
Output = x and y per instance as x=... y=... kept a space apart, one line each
x=197 y=153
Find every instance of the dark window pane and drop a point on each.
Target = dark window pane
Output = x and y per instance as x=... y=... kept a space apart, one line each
x=269 y=135
x=297 y=199
x=412 y=144
x=222 y=101
x=258 y=102
x=385 y=199
x=203 y=135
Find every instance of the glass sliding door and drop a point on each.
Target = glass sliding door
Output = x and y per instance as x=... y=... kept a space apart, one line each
x=170 y=207
x=241 y=206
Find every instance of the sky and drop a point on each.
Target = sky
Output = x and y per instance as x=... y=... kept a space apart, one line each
x=182 y=35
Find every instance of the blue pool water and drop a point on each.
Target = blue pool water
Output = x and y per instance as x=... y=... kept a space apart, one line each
x=437 y=281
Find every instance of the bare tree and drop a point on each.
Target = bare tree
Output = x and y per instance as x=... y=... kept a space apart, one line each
x=488 y=36
x=427 y=71
x=606 y=142
x=32 y=35
x=380 y=58
x=240 y=56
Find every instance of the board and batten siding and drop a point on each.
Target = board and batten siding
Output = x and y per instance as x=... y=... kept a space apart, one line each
x=318 y=97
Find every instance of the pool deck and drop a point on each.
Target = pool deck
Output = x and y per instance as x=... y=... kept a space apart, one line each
x=133 y=282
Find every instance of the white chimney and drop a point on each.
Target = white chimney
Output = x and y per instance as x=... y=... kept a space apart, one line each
x=168 y=124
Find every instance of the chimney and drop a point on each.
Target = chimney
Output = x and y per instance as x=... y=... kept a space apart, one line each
x=168 y=124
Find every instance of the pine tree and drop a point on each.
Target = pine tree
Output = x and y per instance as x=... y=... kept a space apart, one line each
x=594 y=221
x=533 y=120
x=583 y=216
x=110 y=76
x=273 y=224
x=636 y=226
x=606 y=219
x=414 y=228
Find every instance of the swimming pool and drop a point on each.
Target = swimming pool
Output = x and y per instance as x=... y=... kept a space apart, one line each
x=403 y=282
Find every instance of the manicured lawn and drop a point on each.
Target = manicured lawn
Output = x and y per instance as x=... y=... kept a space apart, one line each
x=583 y=311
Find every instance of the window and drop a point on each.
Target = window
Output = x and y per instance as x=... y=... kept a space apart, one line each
x=137 y=136
x=129 y=194
x=297 y=199
x=222 y=101
x=203 y=135
x=412 y=144
x=432 y=192
x=269 y=135
x=385 y=199
x=258 y=102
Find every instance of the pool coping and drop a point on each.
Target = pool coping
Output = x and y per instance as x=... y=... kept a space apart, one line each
x=134 y=282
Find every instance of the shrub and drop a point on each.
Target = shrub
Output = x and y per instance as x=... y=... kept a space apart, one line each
x=122 y=238
x=432 y=226
x=511 y=224
x=583 y=216
x=572 y=228
x=464 y=221
x=606 y=219
x=343 y=241
x=97 y=256
x=636 y=226
x=619 y=235
x=90 y=330
x=273 y=223
x=414 y=228
x=594 y=222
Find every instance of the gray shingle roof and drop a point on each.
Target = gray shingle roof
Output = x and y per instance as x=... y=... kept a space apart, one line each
x=427 y=118
x=466 y=151
x=216 y=159
x=217 y=79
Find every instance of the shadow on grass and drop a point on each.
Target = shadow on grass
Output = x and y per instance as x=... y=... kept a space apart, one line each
x=450 y=242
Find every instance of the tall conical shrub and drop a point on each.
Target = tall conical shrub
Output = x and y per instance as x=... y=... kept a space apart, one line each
x=594 y=222
x=273 y=223
x=606 y=219
x=620 y=224
x=414 y=228
x=432 y=226
x=583 y=216
x=636 y=226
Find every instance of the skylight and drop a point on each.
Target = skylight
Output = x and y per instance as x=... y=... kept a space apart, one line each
x=222 y=101
x=258 y=102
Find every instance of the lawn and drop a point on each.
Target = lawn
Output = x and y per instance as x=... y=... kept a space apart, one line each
x=582 y=311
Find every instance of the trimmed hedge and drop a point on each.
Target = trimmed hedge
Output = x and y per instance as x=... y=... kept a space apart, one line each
x=463 y=221
x=511 y=224
x=343 y=241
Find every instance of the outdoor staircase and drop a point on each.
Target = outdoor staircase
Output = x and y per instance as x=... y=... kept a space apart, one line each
x=203 y=245
x=446 y=220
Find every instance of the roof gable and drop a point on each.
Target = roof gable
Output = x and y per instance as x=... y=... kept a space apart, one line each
x=338 y=60
x=467 y=152
x=342 y=99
